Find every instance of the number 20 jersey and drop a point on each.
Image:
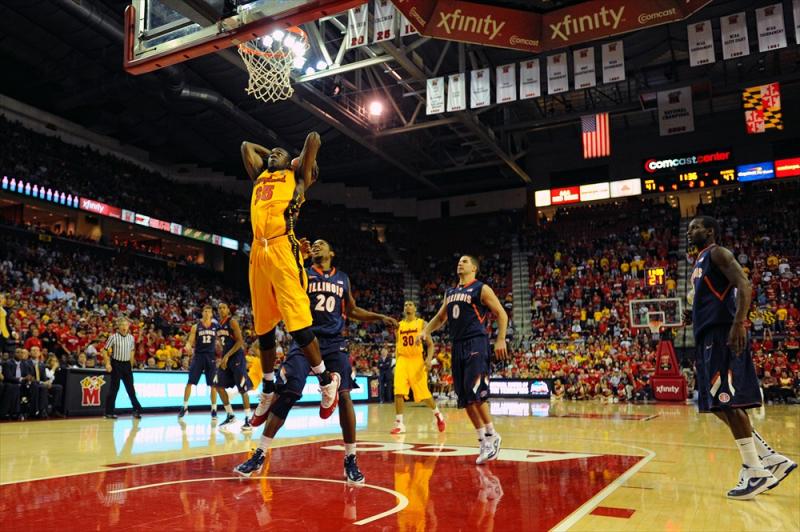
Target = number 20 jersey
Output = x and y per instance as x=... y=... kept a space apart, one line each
x=328 y=292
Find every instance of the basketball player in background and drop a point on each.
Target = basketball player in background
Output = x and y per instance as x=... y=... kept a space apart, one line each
x=331 y=303
x=278 y=280
x=232 y=368
x=202 y=346
x=466 y=307
x=726 y=378
x=410 y=371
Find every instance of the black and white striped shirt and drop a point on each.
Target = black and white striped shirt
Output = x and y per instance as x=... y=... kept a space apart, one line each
x=121 y=347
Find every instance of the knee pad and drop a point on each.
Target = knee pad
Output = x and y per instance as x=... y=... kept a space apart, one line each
x=267 y=341
x=303 y=337
x=285 y=401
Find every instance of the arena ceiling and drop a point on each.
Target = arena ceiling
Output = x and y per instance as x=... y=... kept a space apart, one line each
x=66 y=58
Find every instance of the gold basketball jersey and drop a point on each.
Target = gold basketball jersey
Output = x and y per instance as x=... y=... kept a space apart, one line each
x=407 y=332
x=274 y=204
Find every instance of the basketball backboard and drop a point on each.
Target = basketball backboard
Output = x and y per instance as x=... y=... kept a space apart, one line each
x=160 y=33
x=662 y=312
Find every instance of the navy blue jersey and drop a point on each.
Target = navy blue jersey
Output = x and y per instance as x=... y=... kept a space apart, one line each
x=465 y=312
x=714 y=296
x=204 y=341
x=225 y=335
x=328 y=293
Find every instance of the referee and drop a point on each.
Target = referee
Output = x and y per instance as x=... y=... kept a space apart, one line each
x=118 y=353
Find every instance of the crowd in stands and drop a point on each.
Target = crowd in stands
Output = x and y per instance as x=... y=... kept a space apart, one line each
x=62 y=296
x=48 y=161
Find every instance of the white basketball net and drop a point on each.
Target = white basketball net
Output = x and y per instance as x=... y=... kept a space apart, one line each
x=270 y=72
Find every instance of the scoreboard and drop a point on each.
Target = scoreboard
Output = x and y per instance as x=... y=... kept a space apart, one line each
x=655 y=276
x=688 y=180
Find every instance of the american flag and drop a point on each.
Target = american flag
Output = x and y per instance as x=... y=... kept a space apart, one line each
x=596 y=136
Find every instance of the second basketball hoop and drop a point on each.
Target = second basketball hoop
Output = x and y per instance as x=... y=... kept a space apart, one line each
x=270 y=60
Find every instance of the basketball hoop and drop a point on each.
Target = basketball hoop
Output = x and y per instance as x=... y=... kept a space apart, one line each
x=655 y=325
x=269 y=61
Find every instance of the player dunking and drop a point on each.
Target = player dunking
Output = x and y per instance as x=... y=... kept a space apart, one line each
x=331 y=302
x=278 y=280
x=232 y=368
x=203 y=341
x=726 y=378
x=465 y=308
x=410 y=371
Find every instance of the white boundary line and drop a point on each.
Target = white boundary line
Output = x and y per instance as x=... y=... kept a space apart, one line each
x=401 y=504
x=589 y=505
x=199 y=457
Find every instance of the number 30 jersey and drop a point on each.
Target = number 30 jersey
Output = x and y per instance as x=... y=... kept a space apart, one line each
x=328 y=292
x=407 y=332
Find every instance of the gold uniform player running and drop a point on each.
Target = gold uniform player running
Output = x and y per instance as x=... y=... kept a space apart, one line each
x=278 y=280
x=410 y=371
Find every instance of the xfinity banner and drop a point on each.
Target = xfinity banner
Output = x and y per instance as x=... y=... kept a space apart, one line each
x=520 y=388
x=519 y=29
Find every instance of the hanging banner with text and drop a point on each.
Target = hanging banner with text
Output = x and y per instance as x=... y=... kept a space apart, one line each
x=771 y=30
x=675 y=112
x=701 y=43
x=480 y=93
x=383 y=21
x=530 y=84
x=506 y=77
x=583 y=68
x=357 y=27
x=613 y=62
x=557 y=78
x=735 y=42
x=435 y=96
x=456 y=92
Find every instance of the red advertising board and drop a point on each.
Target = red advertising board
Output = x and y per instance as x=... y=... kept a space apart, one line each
x=565 y=195
x=159 y=224
x=787 y=167
x=532 y=32
x=102 y=209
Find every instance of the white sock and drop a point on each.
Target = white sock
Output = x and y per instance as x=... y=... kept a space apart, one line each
x=398 y=418
x=748 y=450
x=186 y=404
x=213 y=408
x=349 y=448
x=229 y=410
x=265 y=442
x=480 y=432
x=762 y=446
x=269 y=376
x=489 y=429
x=316 y=370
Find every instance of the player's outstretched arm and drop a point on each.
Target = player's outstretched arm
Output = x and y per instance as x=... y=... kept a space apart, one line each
x=360 y=314
x=434 y=325
x=253 y=156
x=489 y=298
x=726 y=262
x=308 y=159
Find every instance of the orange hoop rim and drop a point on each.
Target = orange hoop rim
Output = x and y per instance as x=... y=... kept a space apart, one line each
x=270 y=55
x=655 y=325
x=285 y=50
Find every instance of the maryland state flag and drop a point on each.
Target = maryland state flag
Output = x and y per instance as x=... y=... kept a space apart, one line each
x=762 y=108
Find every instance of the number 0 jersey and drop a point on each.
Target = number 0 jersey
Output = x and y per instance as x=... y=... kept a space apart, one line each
x=274 y=204
x=466 y=315
x=328 y=292
x=407 y=332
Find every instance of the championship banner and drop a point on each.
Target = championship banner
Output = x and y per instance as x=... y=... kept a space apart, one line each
x=406 y=28
x=701 y=43
x=357 y=27
x=583 y=68
x=435 y=96
x=796 y=13
x=557 y=79
x=762 y=108
x=613 y=62
x=675 y=112
x=530 y=85
x=383 y=21
x=771 y=31
x=506 y=78
x=735 y=42
x=456 y=92
x=479 y=91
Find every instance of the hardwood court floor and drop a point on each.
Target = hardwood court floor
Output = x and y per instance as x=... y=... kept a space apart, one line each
x=577 y=466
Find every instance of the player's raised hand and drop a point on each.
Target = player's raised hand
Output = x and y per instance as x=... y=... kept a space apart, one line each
x=500 y=349
x=305 y=248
